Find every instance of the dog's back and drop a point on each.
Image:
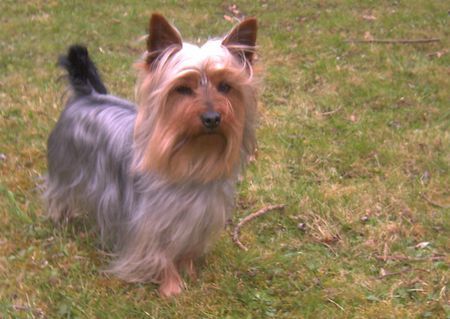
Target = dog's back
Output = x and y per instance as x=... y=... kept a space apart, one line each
x=90 y=147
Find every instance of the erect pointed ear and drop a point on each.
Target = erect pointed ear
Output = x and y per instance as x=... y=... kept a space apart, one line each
x=162 y=35
x=242 y=39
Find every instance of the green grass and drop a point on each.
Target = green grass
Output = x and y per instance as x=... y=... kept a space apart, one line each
x=353 y=178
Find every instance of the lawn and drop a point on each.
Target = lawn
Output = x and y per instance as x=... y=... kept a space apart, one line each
x=353 y=138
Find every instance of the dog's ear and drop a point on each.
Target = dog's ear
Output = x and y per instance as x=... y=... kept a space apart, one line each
x=161 y=36
x=242 y=39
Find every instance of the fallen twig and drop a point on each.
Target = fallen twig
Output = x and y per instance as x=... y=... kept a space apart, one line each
x=250 y=217
x=395 y=41
x=406 y=258
x=330 y=112
x=388 y=274
x=433 y=202
x=336 y=304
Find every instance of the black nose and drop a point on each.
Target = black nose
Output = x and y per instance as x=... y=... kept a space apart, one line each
x=210 y=119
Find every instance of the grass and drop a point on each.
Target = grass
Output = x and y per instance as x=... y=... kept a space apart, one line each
x=354 y=180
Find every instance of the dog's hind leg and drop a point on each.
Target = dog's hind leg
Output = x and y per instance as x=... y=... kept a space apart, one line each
x=187 y=264
x=60 y=211
x=59 y=202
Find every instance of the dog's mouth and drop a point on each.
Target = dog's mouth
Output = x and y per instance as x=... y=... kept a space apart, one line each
x=211 y=134
x=206 y=137
x=210 y=140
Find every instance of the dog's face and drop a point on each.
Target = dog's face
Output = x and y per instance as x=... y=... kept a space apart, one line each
x=196 y=104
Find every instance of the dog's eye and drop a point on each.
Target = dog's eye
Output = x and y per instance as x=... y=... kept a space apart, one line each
x=223 y=87
x=184 y=90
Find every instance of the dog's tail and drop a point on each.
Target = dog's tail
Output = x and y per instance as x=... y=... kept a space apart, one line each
x=82 y=73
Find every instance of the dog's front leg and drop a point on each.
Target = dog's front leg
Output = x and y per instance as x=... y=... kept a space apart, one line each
x=171 y=283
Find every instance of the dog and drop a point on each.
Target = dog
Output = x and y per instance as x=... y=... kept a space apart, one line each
x=159 y=177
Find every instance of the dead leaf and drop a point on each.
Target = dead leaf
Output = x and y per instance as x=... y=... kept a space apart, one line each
x=422 y=245
x=234 y=9
x=368 y=36
x=228 y=18
x=369 y=17
x=364 y=219
x=425 y=178
x=438 y=54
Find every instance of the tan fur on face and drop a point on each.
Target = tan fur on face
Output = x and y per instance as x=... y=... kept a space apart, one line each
x=179 y=147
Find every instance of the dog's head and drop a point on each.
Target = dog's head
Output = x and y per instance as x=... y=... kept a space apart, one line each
x=197 y=105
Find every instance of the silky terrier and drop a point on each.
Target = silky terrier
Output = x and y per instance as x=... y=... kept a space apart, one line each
x=159 y=177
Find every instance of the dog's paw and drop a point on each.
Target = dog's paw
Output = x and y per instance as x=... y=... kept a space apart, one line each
x=170 y=288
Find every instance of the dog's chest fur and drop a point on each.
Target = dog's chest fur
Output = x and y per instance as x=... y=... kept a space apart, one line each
x=183 y=217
